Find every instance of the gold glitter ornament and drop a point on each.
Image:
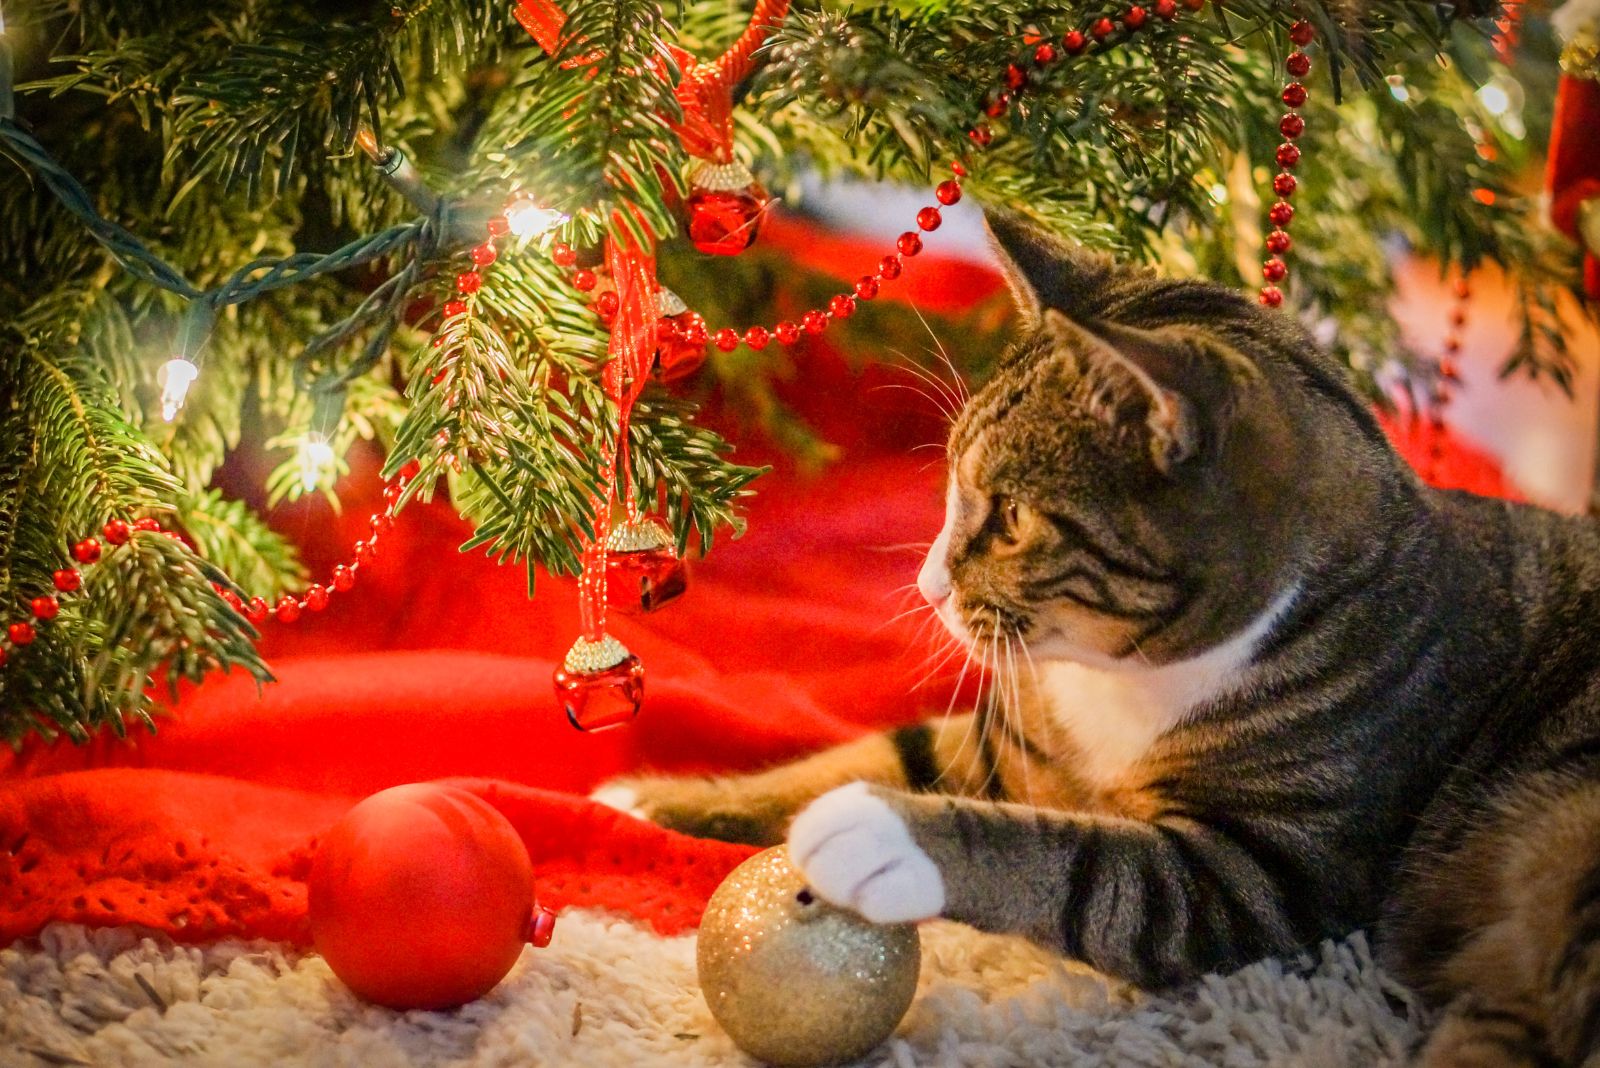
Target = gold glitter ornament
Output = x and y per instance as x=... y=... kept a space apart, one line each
x=794 y=980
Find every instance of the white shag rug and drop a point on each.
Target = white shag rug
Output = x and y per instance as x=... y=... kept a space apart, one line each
x=609 y=994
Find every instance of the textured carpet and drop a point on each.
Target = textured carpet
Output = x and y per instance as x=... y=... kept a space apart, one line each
x=608 y=993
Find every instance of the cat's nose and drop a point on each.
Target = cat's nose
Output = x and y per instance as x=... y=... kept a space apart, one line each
x=934 y=583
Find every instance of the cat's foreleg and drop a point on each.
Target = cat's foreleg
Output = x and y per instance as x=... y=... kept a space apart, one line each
x=943 y=755
x=1154 y=903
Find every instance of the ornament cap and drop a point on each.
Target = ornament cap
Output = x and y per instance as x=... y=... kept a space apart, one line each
x=644 y=534
x=714 y=177
x=589 y=657
x=669 y=303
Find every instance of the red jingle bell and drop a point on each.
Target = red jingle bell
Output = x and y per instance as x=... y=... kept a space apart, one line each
x=643 y=567
x=599 y=684
x=725 y=207
x=681 y=338
x=421 y=897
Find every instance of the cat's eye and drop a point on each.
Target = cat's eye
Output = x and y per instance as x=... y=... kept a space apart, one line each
x=1005 y=519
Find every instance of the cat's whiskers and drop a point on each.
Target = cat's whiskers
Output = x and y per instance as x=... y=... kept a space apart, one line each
x=955 y=691
x=954 y=397
x=960 y=384
x=940 y=402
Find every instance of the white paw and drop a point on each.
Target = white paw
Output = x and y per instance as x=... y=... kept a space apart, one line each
x=622 y=798
x=856 y=852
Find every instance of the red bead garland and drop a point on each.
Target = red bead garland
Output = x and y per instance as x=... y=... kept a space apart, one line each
x=1287 y=156
x=118 y=532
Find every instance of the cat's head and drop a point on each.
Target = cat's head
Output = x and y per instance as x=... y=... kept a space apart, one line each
x=1152 y=465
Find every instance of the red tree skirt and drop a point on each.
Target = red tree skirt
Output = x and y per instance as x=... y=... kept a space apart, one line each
x=437 y=666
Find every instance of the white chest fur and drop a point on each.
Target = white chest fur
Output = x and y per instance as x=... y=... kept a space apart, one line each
x=1113 y=714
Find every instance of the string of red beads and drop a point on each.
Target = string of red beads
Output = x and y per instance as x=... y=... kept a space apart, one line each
x=1284 y=184
x=118 y=532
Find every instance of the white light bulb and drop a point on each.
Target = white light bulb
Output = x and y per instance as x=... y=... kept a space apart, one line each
x=527 y=219
x=1219 y=193
x=1494 y=98
x=316 y=456
x=175 y=378
x=1397 y=88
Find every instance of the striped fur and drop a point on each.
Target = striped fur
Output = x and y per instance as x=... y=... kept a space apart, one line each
x=1402 y=728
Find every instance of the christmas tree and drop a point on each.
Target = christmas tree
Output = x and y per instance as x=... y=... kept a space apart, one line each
x=441 y=224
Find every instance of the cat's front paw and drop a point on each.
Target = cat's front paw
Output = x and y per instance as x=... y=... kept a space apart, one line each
x=856 y=851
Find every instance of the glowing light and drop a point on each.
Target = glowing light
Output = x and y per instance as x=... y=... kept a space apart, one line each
x=175 y=378
x=1219 y=193
x=316 y=457
x=528 y=219
x=1494 y=98
x=1397 y=88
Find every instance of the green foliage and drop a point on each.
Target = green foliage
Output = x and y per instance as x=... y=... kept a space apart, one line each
x=221 y=136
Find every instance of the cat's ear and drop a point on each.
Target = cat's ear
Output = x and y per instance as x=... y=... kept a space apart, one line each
x=1047 y=272
x=1177 y=389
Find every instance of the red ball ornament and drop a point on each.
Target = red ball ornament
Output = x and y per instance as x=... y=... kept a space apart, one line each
x=1166 y=10
x=421 y=897
x=288 y=609
x=45 y=608
x=680 y=339
x=366 y=551
x=584 y=280
x=117 y=532
x=1302 y=33
x=468 y=282
x=1016 y=77
x=1280 y=213
x=842 y=306
x=1291 y=126
x=256 y=609
x=498 y=226
x=317 y=597
x=814 y=321
x=890 y=266
x=68 y=579
x=1274 y=270
x=607 y=303
x=483 y=254
x=725 y=207
x=21 y=633
x=997 y=107
x=1298 y=64
x=929 y=218
x=981 y=135
x=1294 y=94
x=1284 y=184
x=1101 y=29
x=1135 y=17
x=563 y=254
x=787 y=332
x=643 y=568
x=726 y=339
x=1279 y=242
x=599 y=684
x=146 y=524
x=1288 y=155
x=948 y=191
x=757 y=337
x=1271 y=296
x=866 y=287
x=909 y=243
x=1074 y=42
x=1045 y=54
x=344 y=578
x=453 y=308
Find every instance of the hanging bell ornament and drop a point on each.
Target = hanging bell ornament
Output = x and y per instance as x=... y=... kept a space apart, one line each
x=681 y=338
x=600 y=684
x=642 y=563
x=725 y=207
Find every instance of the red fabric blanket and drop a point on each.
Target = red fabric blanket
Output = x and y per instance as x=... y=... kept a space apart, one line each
x=439 y=667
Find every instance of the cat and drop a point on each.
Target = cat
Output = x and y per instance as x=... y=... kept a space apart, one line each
x=1276 y=689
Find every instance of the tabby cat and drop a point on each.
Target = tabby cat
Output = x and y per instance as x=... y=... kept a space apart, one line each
x=1274 y=687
